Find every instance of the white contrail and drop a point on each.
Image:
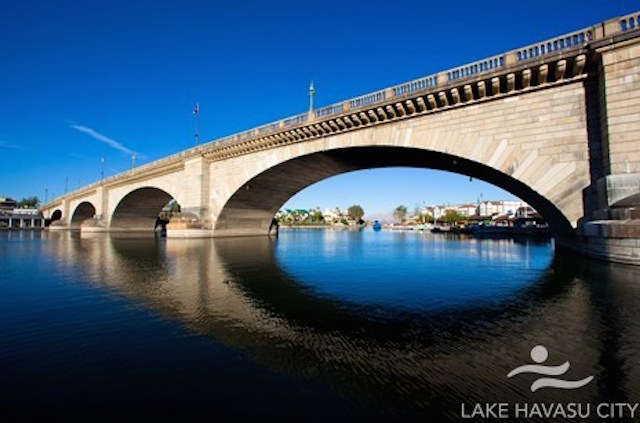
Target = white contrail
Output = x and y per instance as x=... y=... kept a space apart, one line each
x=103 y=138
x=6 y=144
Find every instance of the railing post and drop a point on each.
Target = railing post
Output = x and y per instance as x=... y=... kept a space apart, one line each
x=511 y=58
x=611 y=27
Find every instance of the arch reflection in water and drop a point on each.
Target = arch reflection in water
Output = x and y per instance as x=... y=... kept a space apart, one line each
x=419 y=347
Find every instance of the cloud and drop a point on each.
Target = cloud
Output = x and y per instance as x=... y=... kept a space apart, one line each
x=104 y=139
x=7 y=144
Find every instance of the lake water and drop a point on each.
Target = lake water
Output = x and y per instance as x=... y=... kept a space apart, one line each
x=313 y=325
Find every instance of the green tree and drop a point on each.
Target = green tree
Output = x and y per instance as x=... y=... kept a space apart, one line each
x=316 y=215
x=356 y=212
x=452 y=216
x=399 y=213
x=418 y=214
x=28 y=203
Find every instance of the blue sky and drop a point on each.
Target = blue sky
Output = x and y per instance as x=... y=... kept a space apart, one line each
x=81 y=80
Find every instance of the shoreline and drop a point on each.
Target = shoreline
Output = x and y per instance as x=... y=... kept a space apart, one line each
x=330 y=227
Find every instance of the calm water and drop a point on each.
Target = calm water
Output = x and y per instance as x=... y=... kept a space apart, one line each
x=313 y=325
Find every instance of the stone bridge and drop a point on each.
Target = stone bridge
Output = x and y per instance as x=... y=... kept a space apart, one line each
x=556 y=123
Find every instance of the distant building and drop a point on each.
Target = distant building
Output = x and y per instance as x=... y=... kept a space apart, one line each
x=526 y=212
x=12 y=217
x=8 y=204
x=26 y=212
x=490 y=208
x=511 y=206
x=436 y=212
x=500 y=208
x=467 y=209
x=333 y=215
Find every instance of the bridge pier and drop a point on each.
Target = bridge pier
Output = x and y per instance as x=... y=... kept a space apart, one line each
x=188 y=226
x=612 y=241
x=610 y=229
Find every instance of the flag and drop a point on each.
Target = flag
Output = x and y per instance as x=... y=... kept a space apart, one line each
x=196 y=108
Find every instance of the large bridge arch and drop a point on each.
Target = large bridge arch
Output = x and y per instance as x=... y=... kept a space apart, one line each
x=534 y=145
x=251 y=208
x=84 y=211
x=139 y=209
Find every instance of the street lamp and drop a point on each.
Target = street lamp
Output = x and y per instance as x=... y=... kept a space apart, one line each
x=312 y=92
x=196 y=112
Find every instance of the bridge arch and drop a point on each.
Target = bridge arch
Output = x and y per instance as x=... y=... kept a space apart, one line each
x=56 y=215
x=139 y=209
x=83 y=211
x=251 y=208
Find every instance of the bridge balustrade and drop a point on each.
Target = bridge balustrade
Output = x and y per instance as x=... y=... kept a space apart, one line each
x=476 y=68
x=265 y=129
x=330 y=110
x=629 y=22
x=416 y=85
x=570 y=41
x=367 y=99
x=303 y=117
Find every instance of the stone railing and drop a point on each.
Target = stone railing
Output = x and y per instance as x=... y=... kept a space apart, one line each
x=629 y=22
x=367 y=99
x=566 y=42
x=415 y=85
x=575 y=40
x=295 y=120
x=487 y=65
x=329 y=110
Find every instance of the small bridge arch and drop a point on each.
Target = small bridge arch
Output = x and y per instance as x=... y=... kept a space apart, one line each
x=56 y=215
x=82 y=212
x=138 y=210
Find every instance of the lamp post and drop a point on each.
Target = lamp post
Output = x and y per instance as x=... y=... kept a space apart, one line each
x=133 y=161
x=102 y=170
x=196 y=112
x=312 y=92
